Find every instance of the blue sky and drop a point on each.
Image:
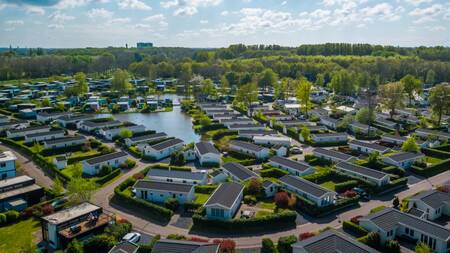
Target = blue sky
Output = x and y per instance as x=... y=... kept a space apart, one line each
x=218 y=23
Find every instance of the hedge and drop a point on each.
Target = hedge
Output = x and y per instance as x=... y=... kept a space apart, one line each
x=222 y=133
x=75 y=159
x=61 y=150
x=134 y=152
x=167 y=167
x=347 y=185
x=354 y=228
x=272 y=172
x=205 y=189
x=286 y=218
x=445 y=147
x=191 y=206
x=436 y=153
x=328 y=144
x=107 y=178
x=433 y=169
x=268 y=246
x=212 y=127
x=285 y=242
x=393 y=170
x=307 y=206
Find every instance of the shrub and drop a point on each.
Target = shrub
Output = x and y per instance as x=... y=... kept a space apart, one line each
x=305 y=235
x=172 y=204
x=138 y=175
x=281 y=199
x=392 y=246
x=249 y=199
x=74 y=247
x=272 y=172
x=105 y=170
x=356 y=218
x=118 y=231
x=176 y=237
x=2 y=218
x=344 y=186
x=354 y=228
x=268 y=246
x=350 y=194
x=373 y=240
x=99 y=244
x=47 y=209
x=285 y=242
x=226 y=245
x=377 y=209
x=12 y=216
x=198 y=239
x=108 y=177
x=205 y=189
x=129 y=163
x=254 y=187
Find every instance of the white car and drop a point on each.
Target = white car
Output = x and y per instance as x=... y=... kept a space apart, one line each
x=133 y=237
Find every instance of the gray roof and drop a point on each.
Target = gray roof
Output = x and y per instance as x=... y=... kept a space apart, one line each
x=433 y=198
x=395 y=137
x=237 y=126
x=332 y=241
x=71 y=213
x=369 y=145
x=304 y=185
x=179 y=246
x=361 y=170
x=65 y=139
x=268 y=183
x=225 y=195
x=166 y=144
x=206 y=147
x=176 y=174
x=239 y=171
x=388 y=219
x=247 y=145
x=403 y=156
x=125 y=247
x=300 y=166
x=106 y=157
x=332 y=153
x=326 y=118
x=91 y=123
x=148 y=136
x=28 y=129
x=75 y=117
x=331 y=135
x=163 y=186
x=257 y=132
x=9 y=182
x=416 y=212
x=45 y=133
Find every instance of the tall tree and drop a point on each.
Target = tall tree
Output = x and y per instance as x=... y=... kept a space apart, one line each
x=411 y=85
x=365 y=116
x=268 y=78
x=120 y=81
x=303 y=91
x=431 y=77
x=280 y=88
x=80 y=190
x=247 y=94
x=410 y=145
x=342 y=82
x=82 y=85
x=439 y=100
x=208 y=88
x=320 y=79
x=391 y=96
x=185 y=78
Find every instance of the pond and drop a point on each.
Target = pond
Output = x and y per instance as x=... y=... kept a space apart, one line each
x=174 y=123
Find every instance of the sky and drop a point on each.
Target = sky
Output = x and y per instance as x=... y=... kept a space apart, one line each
x=219 y=23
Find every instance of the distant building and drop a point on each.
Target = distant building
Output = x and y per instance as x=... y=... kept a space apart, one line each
x=144 y=45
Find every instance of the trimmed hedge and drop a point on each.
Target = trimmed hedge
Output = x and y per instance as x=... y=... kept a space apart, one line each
x=432 y=170
x=307 y=206
x=347 y=185
x=205 y=189
x=436 y=153
x=355 y=228
x=393 y=170
x=103 y=180
x=286 y=218
x=62 y=150
x=72 y=160
x=272 y=172
x=222 y=133
x=166 y=167
x=268 y=246
x=329 y=144
x=212 y=127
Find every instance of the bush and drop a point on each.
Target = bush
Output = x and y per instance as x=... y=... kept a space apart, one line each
x=350 y=194
x=392 y=246
x=268 y=246
x=354 y=228
x=249 y=199
x=393 y=170
x=106 y=178
x=305 y=235
x=2 y=218
x=285 y=242
x=99 y=244
x=272 y=172
x=212 y=127
x=432 y=170
x=253 y=187
x=105 y=170
x=341 y=187
x=281 y=199
x=118 y=230
x=436 y=153
x=172 y=204
x=373 y=240
x=129 y=163
x=205 y=189
x=12 y=216
x=226 y=245
x=176 y=237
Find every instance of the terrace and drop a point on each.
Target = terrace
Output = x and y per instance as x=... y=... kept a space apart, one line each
x=86 y=226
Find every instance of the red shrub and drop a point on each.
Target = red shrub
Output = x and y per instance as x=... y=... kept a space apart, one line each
x=48 y=209
x=121 y=220
x=356 y=219
x=138 y=176
x=350 y=194
x=305 y=235
x=198 y=239
x=281 y=199
x=226 y=245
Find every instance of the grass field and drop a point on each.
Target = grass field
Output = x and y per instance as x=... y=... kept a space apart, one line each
x=330 y=185
x=432 y=160
x=262 y=213
x=18 y=235
x=266 y=204
x=201 y=198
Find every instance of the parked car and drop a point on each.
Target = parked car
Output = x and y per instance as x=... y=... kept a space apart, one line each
x=362 y=193
x=133 y=237
x=296 y=150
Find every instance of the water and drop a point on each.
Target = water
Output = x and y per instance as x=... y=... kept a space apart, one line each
x=174 y=123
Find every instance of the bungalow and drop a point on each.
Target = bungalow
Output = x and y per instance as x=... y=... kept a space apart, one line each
x=280 y=150
x=332 y=155
x=390 y=223
x=19 y=188
x=45 y=117
x=157 y=191
x=402 y=160
x=270 y=188
x=59 y=228
x=426 y=133
x=64 y=142
x=124 y=247
x=218 y=176
x=238 y=172
x=313 y=192
x=145 y=138
x=7 y=165
x=207 y=153
x=93 y=166
x=178 y=246
x=329 y=138
x=357 y=127
x=393 y=139
x=432 y=203
x=281 y=117
x=89 y=125
x=16 y=124
x=176 y=176
x=331 y=241
x=386 y=123
x=293 y=167
x=109 y=133
x=236 y=121
x=292 y=109
x=329 y=122
x=367 y=147
x=18 y=133
x=60 y=162
x=37 y=137
x=251 y=133
x=163 y=149
x=273 y=140
x=67 y=120
x=249 y=149
x=247 y=127
x=227 y=115
x=375 y=177
x=225 y=201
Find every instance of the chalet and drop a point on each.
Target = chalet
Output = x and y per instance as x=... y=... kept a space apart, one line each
x=432 y=203
x=225 y=201
x=124 y=247
x=295 y=168
x=45 y=117
x=329 y=138
x=390 y=223
x=386 y=123
x=402 y=160
x=76 y=222
x=292 y=109
x=68 y=120
x=163 y=149
x=145 y=138
x=238 y=127
x=218 y=176
x=332 y=155
x=273 y=140
x=428 y=133
x=331 y=123
x=93 y=166
x=270 y=188
x=238 y=172
x=357 y=127
x=7 y=165
x=109 y=133
x=50 y=135
x=19 y=133
x=176 y=176
x=60 y=162
x=367 y=147
x=89 y=126
x=64 y=142
x=281 y=117
x=393 y=139
x=375 y=177
x=207 y=153
x=249 y=149
x=280 y=150
x=251 y=133
x=313 y=192
x=227 y=115
x=159 y=192
x=16 y=124
x=178 y=246
x=236 y=121
x=22 y=188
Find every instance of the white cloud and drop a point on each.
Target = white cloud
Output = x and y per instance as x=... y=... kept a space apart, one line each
x=283 y=3
x=437 y=28
x=65 y=4
x=224 y=13
x=427 y=14
x=55 y=26
x=30 y=9
x=133 y=4
x=14 y=22
x=203 y=22
x=418 y=2
x=60 y=17
x=382 y=11
x=99 y=13
x=188 y=7
x=119 y=21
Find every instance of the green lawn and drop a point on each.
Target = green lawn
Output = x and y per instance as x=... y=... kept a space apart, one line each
x=262 y=213
x=229 y=159
x=201 y=198
x=18 y=235
x=266 y=204
x=432 y=160
x=330 y=185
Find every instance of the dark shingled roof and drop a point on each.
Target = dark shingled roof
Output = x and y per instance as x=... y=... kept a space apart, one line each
x=163 y=186
x=433 y=198
x=257 y=132
x=333 y=153
x=239 y=171
x=166 y=144
x=332 y=241
x=304 y=185
x=403 y=156
x=330 y=135
x=388 y=219
x=106 y=157
x=100 y=124
x=267 y=183
x=176 y=174
x=206 y=147
x=225 y=195
x=361 y=170
x=369 y=145
x=416 y=212
x=300 y=166
x=65 y=139
x=395 y=137
x=247 y=145
x=124 y=247
x=45 y=133
x=179 y=246
x=148 y=136
x=29 y=129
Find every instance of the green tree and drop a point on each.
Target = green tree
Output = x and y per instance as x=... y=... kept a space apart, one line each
x=431 y=77
x=100 y=243
x=247 y=94
x=82 y=85
x=185 y=78
x=268 y=78
x=373 y=240
x=74 y=247
x=302 y=93
x=80 y=190
x=391 y=96
x=320 y=80
x=342 y=82
x=411 y=84
x=37 y=148
x=177 y=158
x=363 y=116
x=46 y=102
x=280 y=88
x=439 y=100
x=306 y=133
x=392 y=246
x=57 y=187
x=77 y=170
x=224 y=85
x=421 y=247
x=410 y=145
x=120 y=81
x=208 y=88
x=373 y=159
x=125 y=133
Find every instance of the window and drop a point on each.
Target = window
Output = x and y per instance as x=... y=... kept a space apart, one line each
x=390 y=233
x=2 y=165
x=217 y=212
